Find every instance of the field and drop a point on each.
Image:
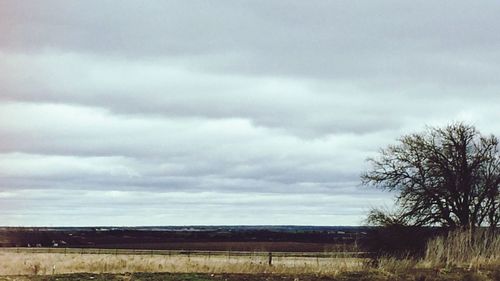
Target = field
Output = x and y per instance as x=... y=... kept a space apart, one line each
x=220 y=267
x=13 y=263
x=460 y=256
x=233 y=238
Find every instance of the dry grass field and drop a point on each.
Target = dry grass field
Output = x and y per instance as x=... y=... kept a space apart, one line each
x=459 y=256
x=12 y=263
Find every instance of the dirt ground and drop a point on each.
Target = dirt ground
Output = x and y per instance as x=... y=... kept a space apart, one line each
x=348 y=276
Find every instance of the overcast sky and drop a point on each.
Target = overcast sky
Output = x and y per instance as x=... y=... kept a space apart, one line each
x=227 y=112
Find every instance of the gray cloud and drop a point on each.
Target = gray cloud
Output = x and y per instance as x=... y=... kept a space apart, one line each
x=178 y=208
x=339 y=39
x=158 y=108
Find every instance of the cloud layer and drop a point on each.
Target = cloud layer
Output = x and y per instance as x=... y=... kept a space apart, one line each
x=232 y=112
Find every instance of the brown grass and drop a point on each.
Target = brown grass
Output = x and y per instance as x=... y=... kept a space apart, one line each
x=457 y=250
x=49 y=263
x=478 y=249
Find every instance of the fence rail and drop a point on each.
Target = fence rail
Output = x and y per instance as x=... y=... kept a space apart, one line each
x=108 y=251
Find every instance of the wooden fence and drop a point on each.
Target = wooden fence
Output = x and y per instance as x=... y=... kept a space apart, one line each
x=228 y=254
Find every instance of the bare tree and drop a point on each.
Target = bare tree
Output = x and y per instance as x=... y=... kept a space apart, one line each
x=444 y=176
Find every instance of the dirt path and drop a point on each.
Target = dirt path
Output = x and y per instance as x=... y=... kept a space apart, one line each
x=351 y=276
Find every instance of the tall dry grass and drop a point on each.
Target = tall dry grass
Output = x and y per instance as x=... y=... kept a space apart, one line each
x=49 y=263
x=464 y=248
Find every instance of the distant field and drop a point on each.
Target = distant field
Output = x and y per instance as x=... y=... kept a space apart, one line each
x=217 y=239
x=237 y=246
x=229 y=246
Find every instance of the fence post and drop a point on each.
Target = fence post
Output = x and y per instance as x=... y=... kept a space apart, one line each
x=270 y=258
